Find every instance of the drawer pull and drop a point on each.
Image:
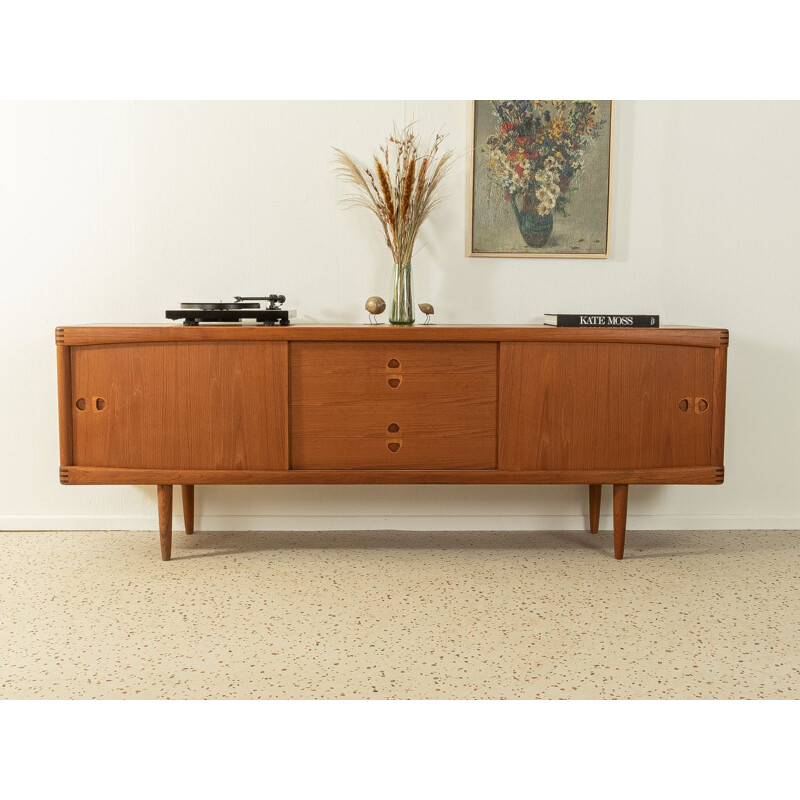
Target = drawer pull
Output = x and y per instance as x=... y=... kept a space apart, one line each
x=98 y=403
x=395 y=381
x=393 y=428
x=700 y=404
x=80 y=404
x=393 y=363
x=394 y=446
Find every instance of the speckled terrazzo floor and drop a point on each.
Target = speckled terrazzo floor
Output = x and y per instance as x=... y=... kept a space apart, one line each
x=687 y=614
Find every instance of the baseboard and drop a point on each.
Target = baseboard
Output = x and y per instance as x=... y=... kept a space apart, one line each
x=448 y=522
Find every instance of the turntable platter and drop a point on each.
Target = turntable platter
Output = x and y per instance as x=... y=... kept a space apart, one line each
x=218 y=306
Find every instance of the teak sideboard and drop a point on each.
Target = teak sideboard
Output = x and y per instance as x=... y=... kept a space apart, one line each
x=365 y=404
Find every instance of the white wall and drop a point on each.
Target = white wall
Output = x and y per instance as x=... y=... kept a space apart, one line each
x=116 y=211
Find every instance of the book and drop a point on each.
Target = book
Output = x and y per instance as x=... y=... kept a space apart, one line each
x=602 y=320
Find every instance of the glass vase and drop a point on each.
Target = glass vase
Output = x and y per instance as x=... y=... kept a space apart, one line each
x=402 y=310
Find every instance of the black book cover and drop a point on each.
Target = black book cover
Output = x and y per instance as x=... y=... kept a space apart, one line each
x=602 y=320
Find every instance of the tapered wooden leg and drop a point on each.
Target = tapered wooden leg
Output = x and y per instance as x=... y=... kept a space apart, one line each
x=187 y=493
x=620 y=517
x=165 y=521
x=595 y=490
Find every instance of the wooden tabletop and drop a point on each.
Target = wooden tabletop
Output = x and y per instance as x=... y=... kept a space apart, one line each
x=95 y=334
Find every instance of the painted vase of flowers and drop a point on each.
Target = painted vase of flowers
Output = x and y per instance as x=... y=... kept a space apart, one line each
x=536 y=155
x=401 y=190
x=535 y=228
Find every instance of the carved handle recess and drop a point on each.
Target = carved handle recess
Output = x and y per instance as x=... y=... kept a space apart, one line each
x=698 y=404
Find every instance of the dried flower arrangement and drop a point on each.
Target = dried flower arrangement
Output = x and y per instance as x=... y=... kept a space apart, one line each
x=401 y=192
x=403 y=197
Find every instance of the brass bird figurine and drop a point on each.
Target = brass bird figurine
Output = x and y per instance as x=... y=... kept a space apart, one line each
x=427 y=310
x=375 y=305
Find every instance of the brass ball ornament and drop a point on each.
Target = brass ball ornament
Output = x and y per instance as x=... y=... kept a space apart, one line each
x=375 y=305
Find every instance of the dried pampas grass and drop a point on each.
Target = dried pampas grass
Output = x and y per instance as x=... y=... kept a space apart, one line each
x=401 y=198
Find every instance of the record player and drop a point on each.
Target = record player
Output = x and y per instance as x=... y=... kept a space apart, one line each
x=241 y=310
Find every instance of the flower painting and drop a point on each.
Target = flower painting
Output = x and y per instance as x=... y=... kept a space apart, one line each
x=540 y=178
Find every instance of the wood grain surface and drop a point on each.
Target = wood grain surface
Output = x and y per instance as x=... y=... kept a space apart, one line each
x=173 y=405
x=460 y=416
x=182 y=406
x=381 y=358
x=119 y=334
x=620 y=518
x=393 y=406
x=595 y=495
x=334 y=391
x=603 y=406
x=718 y=405
x=165 y=520
x=187 y=495
x=412 y=452
x=680 y=475
x=63 y=361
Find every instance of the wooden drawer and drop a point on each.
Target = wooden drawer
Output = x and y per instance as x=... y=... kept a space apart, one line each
x=371 y=420
x=405 y=452
x=351 y=359
x=385 y=406
x=336 y=374
x=393 y=390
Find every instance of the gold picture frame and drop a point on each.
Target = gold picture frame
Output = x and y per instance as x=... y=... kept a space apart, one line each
x=501 y=229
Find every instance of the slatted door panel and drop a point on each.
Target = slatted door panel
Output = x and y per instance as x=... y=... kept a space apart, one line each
x=604 y=406
x=193 y=405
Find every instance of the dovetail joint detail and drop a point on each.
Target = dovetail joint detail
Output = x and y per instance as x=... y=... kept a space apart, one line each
x=63 y=475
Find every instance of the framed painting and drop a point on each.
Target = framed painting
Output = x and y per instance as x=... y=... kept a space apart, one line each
x=540 y=182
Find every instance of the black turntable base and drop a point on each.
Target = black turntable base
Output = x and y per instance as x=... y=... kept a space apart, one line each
x=243 y=308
